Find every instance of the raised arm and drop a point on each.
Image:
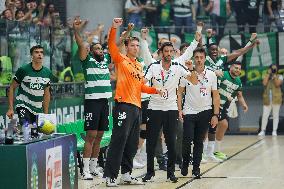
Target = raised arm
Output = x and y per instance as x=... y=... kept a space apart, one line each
x=113 y=49
x=252 y=39
x=77 y=26
x=144 y=48
x=242 y=51
x=189 y=51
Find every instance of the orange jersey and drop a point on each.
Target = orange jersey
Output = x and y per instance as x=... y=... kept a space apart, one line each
x=130 y=80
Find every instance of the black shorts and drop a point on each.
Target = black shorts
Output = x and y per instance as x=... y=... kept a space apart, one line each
x=96 y=114
x=144 y=106
x=25 y=115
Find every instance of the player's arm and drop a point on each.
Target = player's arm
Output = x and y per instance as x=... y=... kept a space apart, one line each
x=46 y=99
x=180 y=92
x=11 y=93
x=77 y=26
x=242 y=101
x=113 y=49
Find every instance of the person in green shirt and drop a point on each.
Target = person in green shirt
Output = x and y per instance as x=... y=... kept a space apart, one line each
x=230 y=86
x=33 y=83
x=97 y=92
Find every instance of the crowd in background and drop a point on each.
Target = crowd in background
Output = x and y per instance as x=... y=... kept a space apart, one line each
x=179 y=13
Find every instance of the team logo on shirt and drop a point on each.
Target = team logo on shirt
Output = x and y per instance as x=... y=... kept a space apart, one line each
x=36 y=86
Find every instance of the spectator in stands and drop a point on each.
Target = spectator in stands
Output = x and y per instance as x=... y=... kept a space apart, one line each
x=252 y=14
x=270 y=10
x=7 y=14
x=134 y=10
x=151 y=12
x=239 y=7
x=19 y=4
x=184 y=15
x=219 y=10
x=165 y=15
x=272 y=98
x=49 y=15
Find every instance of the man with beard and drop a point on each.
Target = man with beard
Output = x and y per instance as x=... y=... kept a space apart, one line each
x=230 y=86
x=97 y=92
x=163 y=111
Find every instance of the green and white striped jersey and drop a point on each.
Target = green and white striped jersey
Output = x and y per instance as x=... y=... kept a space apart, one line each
x=219 y=7
x=97 y=78
x=31 y=87
x=217 y=65
x=228 y=87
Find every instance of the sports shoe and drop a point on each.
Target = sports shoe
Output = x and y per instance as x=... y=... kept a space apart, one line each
x=137 y=164
x=128 y=179
x=148 y=177
x=196 y=173
x=184 y=169
x=97 y=172
x=274 y=133
x=261 y=133
x=212 y=158
x=172 y=178
x=86 y=176
x=111 y=182
x=221 y=155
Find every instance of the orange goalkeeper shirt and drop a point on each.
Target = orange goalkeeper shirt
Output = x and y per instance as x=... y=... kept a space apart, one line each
x=130 y=80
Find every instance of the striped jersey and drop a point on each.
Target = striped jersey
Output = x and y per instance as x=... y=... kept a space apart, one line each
x=219 y=7
x=144 y=96
x=215 y=65
x=182 y=8
x=228 y=87
x=31 y=87
x=97 y=78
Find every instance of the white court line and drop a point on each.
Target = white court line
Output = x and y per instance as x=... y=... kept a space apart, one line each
x=244 y=177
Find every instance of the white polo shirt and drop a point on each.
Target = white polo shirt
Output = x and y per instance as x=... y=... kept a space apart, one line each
x=198 y=97
x=167 y=80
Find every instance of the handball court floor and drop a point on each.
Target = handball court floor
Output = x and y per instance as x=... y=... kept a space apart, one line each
x=253 y=163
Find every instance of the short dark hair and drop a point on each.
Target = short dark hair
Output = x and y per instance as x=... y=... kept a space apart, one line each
x=129 y=39
x=166 y=44
x=237 y=63
x=183 y=45
x=34 y=48
x=199 y=50
x=94 y=44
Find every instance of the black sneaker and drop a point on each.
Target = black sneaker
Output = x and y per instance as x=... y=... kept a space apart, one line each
x=184 y=169
x=163 y=166
x=172 y=178
x=196 y=174
x=148 y=177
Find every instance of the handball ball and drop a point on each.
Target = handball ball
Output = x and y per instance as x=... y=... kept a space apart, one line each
x=47 y=127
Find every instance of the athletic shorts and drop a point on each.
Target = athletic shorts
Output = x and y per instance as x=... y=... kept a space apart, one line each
x=224 y=112
x=96 y=114
x=144 y=106
x=25 y=115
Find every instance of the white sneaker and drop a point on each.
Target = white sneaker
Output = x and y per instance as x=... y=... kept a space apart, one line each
x=127 y=179
x=137 y=165
x=213 y=158
x=86 y=176
x=274 y=133
x=261 y=133
x=111 y=182
x=97 y=172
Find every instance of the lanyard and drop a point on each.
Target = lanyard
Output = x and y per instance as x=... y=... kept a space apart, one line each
x=164 y=80
x=204 y=79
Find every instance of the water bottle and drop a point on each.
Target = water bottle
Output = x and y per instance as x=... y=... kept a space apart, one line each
x=2 y=135
x=26 y=132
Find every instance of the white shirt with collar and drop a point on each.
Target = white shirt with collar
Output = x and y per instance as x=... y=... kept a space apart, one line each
x=198 y=97
x=167 y=80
